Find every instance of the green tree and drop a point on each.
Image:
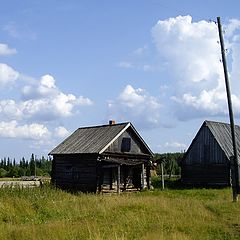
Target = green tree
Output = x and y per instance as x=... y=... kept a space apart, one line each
x=32 y=165
x=3 y=172
x=170 y=162
x=13 y=172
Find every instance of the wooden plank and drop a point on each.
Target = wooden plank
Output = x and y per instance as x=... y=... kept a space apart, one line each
x=118 y=178
x=142 y=177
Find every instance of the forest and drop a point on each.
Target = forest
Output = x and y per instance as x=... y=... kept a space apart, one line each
x=170 y=163
x=31 y=167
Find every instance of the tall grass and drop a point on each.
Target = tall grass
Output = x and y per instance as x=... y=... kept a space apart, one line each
x=47 y=213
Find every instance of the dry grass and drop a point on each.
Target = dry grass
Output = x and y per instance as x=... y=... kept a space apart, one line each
x=172 y=214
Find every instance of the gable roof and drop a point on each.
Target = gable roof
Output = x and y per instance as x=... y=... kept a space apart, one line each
x=94 y=139
x=222 y=134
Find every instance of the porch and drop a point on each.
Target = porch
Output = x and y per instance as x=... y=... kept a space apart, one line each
x=118 y=175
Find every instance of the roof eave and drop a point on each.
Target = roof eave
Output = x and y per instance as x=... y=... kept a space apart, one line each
x=115 y=138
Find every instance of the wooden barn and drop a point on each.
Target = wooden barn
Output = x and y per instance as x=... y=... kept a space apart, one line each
x=110 y=157
x=207 y=160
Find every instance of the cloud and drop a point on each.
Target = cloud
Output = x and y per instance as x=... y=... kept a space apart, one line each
x=125 y=65
x=46 y=102
x=42 y=101
x=191 y=46
x=231 y=27
x=190 y=54
x=5 y=50
x=175 y=145
x=48 y=81
x=135 y=105
x=140 y=51
x=32 y=131
x=7 y=74
x=61 y=132
x=172 y=146
x=9 y=109
x=40 y=89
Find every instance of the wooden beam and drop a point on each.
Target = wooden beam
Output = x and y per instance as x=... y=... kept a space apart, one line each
x=162 y=174
x=142 y=177
x=111 y=179
x=148 y=176
x=125 y=175
x=118 y=178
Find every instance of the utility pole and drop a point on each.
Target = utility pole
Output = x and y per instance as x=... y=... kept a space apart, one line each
x=235 y=174
x=35 y=167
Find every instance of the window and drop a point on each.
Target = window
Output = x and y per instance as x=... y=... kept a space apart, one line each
x=126 y=145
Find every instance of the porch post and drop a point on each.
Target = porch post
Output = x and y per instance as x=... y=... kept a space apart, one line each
x=162 y=174
x=118 y=178
x=111 y=178
x=125 y=174
x=148 y=173
x=142 y=177
x=100 y=178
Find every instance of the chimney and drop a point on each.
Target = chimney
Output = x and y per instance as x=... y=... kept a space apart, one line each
x=112 y=122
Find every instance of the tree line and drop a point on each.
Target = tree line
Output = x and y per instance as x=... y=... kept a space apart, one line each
x=34 y=166
x=170 y=162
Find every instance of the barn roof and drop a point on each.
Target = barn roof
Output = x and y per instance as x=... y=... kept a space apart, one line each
x=94 y=139
x=222 y=134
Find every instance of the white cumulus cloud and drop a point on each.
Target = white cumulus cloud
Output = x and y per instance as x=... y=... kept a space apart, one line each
x=5 y=50
x=9 y=109
x=191 y=54
x=61 y=132
x=42 y=101
x=32 y=131
x=46 y=102
x=7 y=74
x=135 y=105
x=48 y=81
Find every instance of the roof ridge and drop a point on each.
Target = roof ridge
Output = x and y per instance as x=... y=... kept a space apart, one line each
x=95 y=139
x=104 y=125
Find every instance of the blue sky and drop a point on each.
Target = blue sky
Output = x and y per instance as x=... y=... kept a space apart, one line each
x=68 y=64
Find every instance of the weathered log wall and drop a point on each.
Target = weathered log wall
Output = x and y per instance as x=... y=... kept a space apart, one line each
x=205 y=162
x=75 y=172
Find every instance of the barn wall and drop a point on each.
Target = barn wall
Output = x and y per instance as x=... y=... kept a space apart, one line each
x=136 y=146
x=75 y=172
x=205 y=161
x=212 y=175
x=205 y=150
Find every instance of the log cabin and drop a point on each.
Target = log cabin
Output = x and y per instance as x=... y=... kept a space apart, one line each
x=207 y=160
x=111 y=157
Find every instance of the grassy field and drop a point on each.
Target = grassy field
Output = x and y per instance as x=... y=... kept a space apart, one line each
x=46 y=213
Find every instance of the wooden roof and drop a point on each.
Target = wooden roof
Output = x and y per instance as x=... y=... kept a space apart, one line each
x=222 y=134
x=94 y=139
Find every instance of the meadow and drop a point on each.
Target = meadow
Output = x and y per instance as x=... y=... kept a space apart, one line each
x=48 y=213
